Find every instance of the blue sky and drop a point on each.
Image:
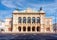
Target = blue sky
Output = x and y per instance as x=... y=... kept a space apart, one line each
x=7 y=7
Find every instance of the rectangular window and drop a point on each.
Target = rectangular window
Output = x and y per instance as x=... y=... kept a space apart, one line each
x=24 y=19
x=29 y=20
x=38 y=19
x=19 y=20
x=33 y=20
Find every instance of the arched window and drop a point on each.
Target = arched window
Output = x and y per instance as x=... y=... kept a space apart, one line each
x=19 y=19
x=38 y=28
x=19 y=28
x=33 y=19
x=29 y=20
x=24 y=28
x=38 y=19
x=33 y=28
x=28 y=28
x=24 y=19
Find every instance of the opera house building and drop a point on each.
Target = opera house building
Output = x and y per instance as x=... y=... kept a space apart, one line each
x=30 y=21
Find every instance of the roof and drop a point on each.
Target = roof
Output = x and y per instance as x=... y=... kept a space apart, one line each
x=28 y=10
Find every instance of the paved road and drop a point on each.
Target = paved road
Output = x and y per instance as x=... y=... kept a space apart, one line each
x=28 y=36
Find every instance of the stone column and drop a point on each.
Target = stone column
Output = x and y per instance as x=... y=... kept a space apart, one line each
x=42 y=22
x=26 y=24
x=14 y=28
x=26 y=28
x=31 y=24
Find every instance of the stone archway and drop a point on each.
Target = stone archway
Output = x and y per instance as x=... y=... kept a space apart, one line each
x=19 y=28
x=28 y=28
x=38 y=29
x=24 y=28
x=33 y=28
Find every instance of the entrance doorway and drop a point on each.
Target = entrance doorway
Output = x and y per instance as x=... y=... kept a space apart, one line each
x=24 y=28
x=38 y=29
x=33 y=28
x=19 y=28
x=28 y=29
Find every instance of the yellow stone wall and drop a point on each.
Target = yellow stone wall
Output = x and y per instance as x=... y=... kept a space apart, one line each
x=42 y=23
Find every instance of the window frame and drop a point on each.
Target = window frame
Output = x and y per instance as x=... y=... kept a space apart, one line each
x=24 y=19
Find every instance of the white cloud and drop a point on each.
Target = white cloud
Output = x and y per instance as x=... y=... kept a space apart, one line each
x=11 y=3
x=25 y=3
x=8 y=3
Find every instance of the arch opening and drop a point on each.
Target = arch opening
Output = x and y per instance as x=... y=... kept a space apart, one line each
x=38 y=28
x=33 y=28
x=19 y=28
x=24 y=28
x=29 y=28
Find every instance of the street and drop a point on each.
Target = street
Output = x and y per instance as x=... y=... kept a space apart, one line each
x=39 y=36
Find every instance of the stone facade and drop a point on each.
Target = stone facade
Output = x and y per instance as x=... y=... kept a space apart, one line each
x=31 y=21
x=8 y=26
